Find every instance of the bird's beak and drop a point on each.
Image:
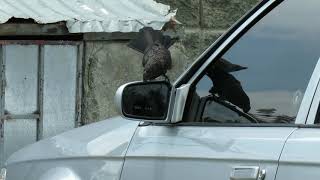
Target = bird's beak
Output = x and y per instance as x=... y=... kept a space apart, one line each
x=173 y=19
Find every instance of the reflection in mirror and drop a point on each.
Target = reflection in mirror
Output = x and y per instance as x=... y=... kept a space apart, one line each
x=146 y=100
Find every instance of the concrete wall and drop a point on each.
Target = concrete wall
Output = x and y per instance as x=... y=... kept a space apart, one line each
x=109 y=64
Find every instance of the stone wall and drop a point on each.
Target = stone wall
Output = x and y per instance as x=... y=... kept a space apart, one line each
x=109 y=64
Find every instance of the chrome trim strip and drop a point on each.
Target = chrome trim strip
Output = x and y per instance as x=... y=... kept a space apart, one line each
x=179 y=104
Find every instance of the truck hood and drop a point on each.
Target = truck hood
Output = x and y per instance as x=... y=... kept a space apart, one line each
x=108 y=138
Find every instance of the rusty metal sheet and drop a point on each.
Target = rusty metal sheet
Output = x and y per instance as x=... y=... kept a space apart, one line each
x=21 y=72
x=18 y=133
x=59 y=88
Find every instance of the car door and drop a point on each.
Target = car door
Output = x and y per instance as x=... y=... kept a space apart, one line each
x=300 y=156
x=245 y=100
x=161 y=152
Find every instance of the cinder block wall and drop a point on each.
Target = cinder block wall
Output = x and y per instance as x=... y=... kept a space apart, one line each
x=109 y=64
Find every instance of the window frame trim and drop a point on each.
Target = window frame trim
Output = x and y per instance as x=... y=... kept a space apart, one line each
x=208 y=124
x=314 y=107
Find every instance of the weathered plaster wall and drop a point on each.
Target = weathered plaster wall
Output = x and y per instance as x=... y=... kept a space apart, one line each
x=109 y=64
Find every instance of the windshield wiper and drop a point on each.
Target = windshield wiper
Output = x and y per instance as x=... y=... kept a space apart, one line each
x=234 y=108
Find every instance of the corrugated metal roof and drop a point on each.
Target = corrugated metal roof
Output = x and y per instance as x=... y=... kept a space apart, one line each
x=90 y=15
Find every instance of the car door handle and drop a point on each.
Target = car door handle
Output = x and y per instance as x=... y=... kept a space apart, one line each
x=247 y=173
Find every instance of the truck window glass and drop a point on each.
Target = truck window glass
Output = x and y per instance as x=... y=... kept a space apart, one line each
x=263 y=76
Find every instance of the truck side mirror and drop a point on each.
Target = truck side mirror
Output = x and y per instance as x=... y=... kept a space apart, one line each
x=144 y=100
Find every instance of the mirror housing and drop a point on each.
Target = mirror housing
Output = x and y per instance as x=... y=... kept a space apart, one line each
x=144 y=100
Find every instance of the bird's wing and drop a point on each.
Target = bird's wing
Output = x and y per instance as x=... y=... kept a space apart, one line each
x=147 y=37
x=167 y=41
x=230 y=88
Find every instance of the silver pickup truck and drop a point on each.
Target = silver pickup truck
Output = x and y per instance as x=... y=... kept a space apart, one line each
x=256 y=121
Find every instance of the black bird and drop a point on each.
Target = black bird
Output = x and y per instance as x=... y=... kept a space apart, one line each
x=156 y=55
x=227 y=66
x=226 y=86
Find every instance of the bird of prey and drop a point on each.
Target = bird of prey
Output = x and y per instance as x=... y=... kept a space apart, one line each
x=156 y=55
x=226 y=86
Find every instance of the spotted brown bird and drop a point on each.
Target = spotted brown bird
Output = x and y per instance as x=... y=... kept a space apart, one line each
x=156 y=55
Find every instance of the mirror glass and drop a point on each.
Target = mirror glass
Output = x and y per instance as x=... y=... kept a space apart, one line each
x=146 y=100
